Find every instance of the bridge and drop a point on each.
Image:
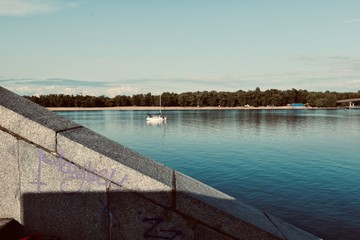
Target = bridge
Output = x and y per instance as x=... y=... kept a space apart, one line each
x=350 y=101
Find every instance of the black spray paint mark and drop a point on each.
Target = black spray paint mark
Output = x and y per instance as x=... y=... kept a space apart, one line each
x=158 y=221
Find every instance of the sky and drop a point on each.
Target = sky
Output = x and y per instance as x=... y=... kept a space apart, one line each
x=124 y=47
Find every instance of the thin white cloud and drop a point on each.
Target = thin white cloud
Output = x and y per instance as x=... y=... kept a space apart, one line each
x=355 y=83
x=332 y=72
x=30 y=7
x=123 y=90
x=339 y=63
x=65 y=86
x=353 y=20
x=308 y=58
x=25 y=7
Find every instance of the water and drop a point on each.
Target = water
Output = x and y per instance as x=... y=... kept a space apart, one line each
x=300 y=165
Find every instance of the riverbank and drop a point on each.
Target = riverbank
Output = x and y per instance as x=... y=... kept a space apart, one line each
x=142 y=108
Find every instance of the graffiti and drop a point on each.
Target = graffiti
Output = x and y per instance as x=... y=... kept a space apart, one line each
x=75 y=175
x=38 y=181
x=158 y=221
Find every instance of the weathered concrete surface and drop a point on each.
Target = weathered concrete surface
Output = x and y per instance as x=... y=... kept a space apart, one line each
x=205 y=233
x=57 y=202
x=9 y=175
x=31 y=121
x=290 y=231
x=220 y=211
x=66 y=181
x=135 y=217
x=143 y=175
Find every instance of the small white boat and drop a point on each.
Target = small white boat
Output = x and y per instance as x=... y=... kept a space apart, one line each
x=156 y=117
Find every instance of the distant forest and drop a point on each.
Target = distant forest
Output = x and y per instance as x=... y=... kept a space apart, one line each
x=271 y=97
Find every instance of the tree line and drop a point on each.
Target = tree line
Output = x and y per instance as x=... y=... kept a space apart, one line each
x=270 y=97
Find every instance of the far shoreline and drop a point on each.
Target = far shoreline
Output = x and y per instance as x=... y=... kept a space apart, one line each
x=154 y=108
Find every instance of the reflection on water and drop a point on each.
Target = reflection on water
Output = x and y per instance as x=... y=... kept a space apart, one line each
x=155 y=123
x=300 y=165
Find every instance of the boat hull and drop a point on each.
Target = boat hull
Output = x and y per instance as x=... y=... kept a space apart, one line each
x=155 y=118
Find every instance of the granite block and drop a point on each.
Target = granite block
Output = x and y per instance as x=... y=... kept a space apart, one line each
x=60 y=199
x=142 y=174
x=222 y=212
x=134 y=217
x=204 y=233
x=31 y=121
x=291 y=232
x=9 y=175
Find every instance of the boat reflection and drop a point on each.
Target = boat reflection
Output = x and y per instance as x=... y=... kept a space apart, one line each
x=155 y=123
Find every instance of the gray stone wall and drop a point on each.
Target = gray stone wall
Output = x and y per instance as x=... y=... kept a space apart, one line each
x=10 y=179
x=68 y=182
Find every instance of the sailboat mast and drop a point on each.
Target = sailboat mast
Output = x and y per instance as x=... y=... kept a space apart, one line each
x=160 y=103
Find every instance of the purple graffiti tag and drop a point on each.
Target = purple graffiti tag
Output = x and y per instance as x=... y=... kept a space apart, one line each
x=90 y=176
x=43 y=158
x=38 y=182
x=76 y=174
x=102 y=173
x=120 y=184
x=123 y=180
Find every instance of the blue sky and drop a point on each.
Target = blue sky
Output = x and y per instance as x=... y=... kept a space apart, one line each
x=126 y=47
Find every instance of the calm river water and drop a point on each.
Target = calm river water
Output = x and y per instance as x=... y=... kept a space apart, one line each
x=300 y=165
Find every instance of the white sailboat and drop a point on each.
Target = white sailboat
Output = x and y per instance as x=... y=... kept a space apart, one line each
x=156 y=117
